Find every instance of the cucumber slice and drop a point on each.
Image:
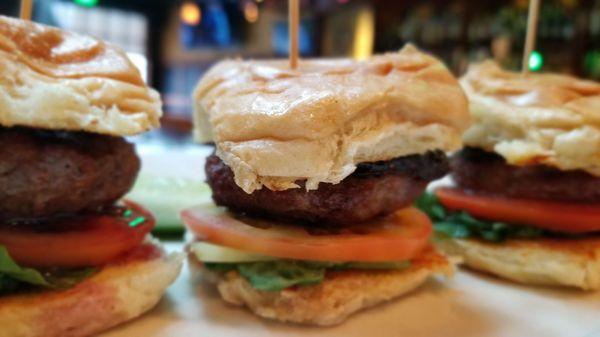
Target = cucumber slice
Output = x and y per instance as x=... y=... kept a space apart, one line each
x=165 y=197
x=216 y=254
x=208 y=252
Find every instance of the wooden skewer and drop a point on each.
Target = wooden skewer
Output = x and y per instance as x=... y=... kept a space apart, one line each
x=532 y=23
x=294 y=20
x=25 y=12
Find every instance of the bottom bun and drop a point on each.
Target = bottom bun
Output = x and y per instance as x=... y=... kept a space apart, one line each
x=333 y=300
x=119 y=292
x=558 y=262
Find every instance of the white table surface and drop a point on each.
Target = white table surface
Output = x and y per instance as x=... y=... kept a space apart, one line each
x=469 y=305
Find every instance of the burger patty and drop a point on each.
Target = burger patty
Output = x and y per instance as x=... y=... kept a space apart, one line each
x=47 y=173
x=486 y=172
x=374 y=189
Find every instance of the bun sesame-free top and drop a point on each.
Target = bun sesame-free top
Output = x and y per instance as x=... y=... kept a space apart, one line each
x=274 y=126
x=547 y=119
x=57 y=80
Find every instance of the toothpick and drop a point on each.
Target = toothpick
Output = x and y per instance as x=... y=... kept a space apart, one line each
x=26 y=6
x=532 y=22
x=294 y=20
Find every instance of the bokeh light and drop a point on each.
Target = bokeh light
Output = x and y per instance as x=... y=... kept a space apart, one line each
x=190 y=13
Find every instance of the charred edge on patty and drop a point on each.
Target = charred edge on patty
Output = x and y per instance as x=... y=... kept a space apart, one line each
x=48 y=173
x=488 y=173
x=429 y=166
x=376 y=189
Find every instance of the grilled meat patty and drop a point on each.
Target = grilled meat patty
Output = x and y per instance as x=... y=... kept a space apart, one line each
x=46 y=173
x=374 y=189
x=486 y=172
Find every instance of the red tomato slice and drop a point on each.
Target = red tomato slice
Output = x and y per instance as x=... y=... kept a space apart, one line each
x=93 y=242
x=551 y=215
x=400 y=236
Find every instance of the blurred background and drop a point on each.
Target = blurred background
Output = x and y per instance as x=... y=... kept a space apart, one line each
x=175 y=42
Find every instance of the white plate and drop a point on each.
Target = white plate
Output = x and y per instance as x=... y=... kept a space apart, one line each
x=469 y=305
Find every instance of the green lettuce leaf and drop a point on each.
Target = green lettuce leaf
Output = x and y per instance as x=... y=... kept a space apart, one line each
x=281 y=274
x=13 y=276
x=10 y=269
x=463 y=225
x=277 y=275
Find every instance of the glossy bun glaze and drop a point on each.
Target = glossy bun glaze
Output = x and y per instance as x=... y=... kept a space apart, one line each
x=274 y=126
x=53 y=79
x=547 y=119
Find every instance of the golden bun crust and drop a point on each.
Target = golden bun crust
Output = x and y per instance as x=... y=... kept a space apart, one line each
x=545 y=119
x=57 y=80
x=118 y=293
x=341 y=294
x=556 y=262
x=273 y=125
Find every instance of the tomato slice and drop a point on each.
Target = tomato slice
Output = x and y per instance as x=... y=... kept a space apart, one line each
x=80 y=241
x=551 y=215
x=398 y=237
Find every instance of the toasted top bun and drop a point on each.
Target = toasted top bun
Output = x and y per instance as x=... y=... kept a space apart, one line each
x=53 y=79
x=274 y=126
x=534 y=119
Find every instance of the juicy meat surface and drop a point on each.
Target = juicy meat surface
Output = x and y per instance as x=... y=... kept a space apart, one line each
x=374 y=189
x=485 y=172
x=46 y=173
